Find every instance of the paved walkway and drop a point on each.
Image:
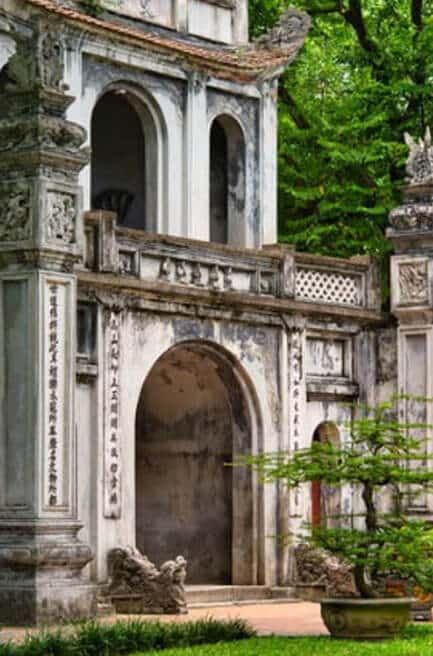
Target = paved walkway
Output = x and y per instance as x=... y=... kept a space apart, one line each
x=280 y=619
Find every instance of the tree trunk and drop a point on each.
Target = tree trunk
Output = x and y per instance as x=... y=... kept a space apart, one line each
x=364 y=588
x=371 y=515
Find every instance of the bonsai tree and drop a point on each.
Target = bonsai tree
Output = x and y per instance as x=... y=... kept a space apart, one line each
x=381 y=457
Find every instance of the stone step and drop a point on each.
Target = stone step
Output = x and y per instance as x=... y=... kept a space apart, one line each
x=105 y=610
x=211 y=595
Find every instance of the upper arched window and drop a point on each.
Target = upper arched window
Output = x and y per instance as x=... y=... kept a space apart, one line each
x=124 y=160
x=227 y=182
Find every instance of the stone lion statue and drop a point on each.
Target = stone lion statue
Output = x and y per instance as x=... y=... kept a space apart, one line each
x=160 y=591
x=317 y=567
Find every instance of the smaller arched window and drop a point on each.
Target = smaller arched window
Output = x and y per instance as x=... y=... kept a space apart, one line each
x=325 y=499
x=227 y=182
x=124 y=160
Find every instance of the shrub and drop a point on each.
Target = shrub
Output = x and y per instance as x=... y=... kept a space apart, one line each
x=125 y=637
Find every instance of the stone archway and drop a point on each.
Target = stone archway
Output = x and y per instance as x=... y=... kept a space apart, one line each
x=192 y=417
x=325 y=499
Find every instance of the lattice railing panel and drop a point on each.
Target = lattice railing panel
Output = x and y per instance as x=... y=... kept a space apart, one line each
x=329 y=287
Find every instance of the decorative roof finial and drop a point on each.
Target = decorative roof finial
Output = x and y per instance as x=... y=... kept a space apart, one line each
x=290 y=30
x=419 y=165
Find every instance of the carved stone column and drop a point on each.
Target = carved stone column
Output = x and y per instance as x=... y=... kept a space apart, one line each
x=197 y=158
x=292 y=504
x=41 y=557
x=411 y=231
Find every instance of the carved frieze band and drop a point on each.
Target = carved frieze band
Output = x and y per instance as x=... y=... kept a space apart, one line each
x=412 y=217
x=271 y=278
x=197 y=274
x=112 y=432
x=203 y=274
x=413 y=282
x=15 y=211
x=56 y=416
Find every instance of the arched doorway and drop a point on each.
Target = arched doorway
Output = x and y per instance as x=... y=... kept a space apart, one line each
x=227 y=181
x=124 y=160
x=194 y=416
x=325 y=499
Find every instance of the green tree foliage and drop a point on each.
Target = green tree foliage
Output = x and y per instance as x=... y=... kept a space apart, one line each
x=382 y=455
x=364 y=77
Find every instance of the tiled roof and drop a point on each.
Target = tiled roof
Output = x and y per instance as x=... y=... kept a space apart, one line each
x=241 y=64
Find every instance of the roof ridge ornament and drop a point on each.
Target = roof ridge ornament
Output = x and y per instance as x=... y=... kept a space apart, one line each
x=290 y=30
x=419 y=166
x=415 y=215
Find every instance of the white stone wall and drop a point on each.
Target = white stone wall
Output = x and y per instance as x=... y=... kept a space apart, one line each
x=288 y=402
x=143 y=339
x=224 y=21
x=180 y=106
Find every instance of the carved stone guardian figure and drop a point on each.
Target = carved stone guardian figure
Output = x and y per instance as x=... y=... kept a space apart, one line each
x=289 y=31
x=317 y=568
x=137 y=586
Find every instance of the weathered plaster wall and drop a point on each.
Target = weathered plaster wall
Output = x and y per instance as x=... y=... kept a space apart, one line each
x=291 y=377
x=182 y=105
x=163 y=99
x=217 y=20
x=252 y=352
x=386 y=363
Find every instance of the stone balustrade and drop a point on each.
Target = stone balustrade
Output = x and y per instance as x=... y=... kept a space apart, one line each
x=273 y=271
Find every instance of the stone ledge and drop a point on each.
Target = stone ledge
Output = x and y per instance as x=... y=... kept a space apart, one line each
x=132 y=288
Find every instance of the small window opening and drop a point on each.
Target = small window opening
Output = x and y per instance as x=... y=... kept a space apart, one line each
x=86 y=331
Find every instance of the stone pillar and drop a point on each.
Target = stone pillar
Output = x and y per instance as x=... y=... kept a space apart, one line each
x=292 y=504
x=197 y=144
x=268 y=161
x=41 y=557
x=411 y=231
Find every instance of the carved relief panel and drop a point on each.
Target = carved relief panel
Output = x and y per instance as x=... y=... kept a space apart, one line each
x=59 y=220
x=61 y=217
x=413 y=282
x=328 y=357
x=15 y=211
x=410 y=282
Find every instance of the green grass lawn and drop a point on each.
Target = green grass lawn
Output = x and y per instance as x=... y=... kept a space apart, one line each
x=416 y=641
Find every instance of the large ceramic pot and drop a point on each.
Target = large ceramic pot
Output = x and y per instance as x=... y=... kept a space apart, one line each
x=365 y=619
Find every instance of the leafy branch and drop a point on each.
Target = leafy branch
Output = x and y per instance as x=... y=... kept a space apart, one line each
x=382 y=454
